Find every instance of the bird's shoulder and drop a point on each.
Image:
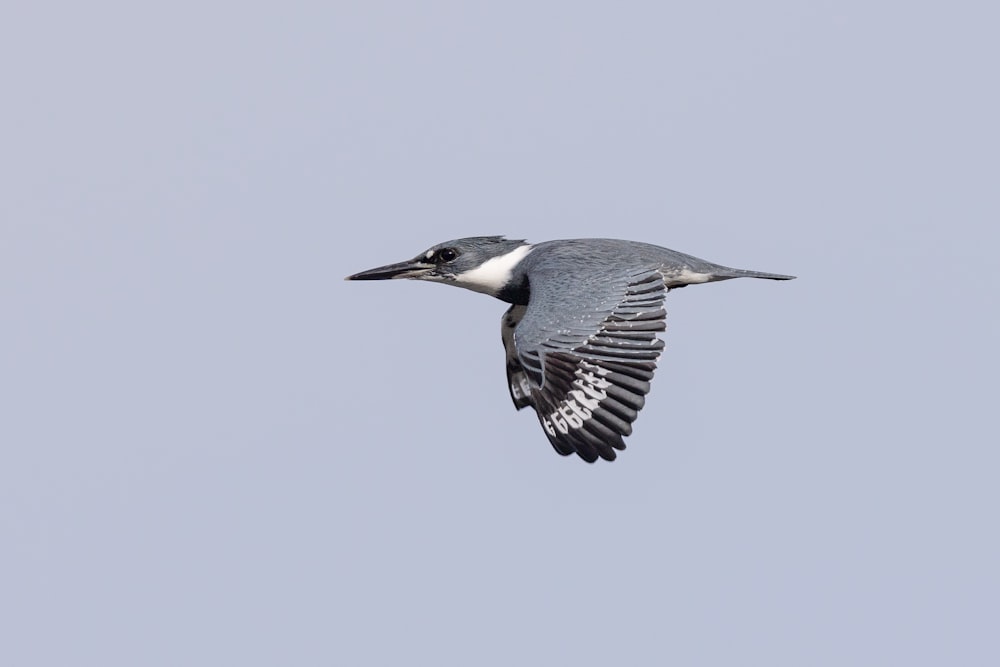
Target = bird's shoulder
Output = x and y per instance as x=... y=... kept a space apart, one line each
x=598 y=254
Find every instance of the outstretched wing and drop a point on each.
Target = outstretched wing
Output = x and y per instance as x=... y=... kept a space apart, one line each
x=585 y=371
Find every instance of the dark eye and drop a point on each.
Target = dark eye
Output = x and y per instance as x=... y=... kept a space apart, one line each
x=447 y=254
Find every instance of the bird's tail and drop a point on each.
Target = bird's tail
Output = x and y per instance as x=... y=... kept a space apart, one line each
x=726 y=273
x=688 y=270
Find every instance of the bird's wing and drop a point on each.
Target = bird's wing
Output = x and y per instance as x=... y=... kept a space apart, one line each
x=585 y=372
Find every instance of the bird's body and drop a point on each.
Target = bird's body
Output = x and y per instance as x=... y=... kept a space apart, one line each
x=580 y=335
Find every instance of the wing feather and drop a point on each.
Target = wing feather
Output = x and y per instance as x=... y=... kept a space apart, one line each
x=586 y=375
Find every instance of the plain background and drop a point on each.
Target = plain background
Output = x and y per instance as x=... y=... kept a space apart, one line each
x=217 y=452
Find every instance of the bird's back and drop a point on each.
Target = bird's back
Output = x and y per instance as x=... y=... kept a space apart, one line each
x=604 y=259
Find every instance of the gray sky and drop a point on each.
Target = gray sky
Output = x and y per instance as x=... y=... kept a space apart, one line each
x=216 y=451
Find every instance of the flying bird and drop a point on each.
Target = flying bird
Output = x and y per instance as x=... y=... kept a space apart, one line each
x=580 y=334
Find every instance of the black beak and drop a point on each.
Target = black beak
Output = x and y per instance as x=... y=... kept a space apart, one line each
x=413 y=268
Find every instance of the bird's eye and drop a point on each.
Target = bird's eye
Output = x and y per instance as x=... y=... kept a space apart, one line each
x=447 y=254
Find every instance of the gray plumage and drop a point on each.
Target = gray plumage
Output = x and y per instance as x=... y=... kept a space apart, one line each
x=581 y=334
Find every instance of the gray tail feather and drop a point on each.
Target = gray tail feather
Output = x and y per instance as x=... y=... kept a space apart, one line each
x=743 y=273
x=725 y=273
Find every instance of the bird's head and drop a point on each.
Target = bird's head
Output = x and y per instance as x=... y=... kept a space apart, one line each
x=480 y=263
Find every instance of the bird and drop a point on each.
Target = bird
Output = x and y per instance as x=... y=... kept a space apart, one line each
x=580 y=334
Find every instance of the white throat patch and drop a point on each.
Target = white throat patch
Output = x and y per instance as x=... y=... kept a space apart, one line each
x=493 y=274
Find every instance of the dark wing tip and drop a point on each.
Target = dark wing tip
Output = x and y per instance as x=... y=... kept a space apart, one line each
x=586 y=408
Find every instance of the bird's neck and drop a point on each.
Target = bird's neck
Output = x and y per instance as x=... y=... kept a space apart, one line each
x=498 y=276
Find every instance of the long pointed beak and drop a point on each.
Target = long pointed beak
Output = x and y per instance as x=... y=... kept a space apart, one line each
x=413 y=268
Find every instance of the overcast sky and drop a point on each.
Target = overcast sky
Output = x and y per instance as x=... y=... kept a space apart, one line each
x=215 y=451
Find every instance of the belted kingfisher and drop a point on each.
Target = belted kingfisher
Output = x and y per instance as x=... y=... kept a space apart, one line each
x=580 y=334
